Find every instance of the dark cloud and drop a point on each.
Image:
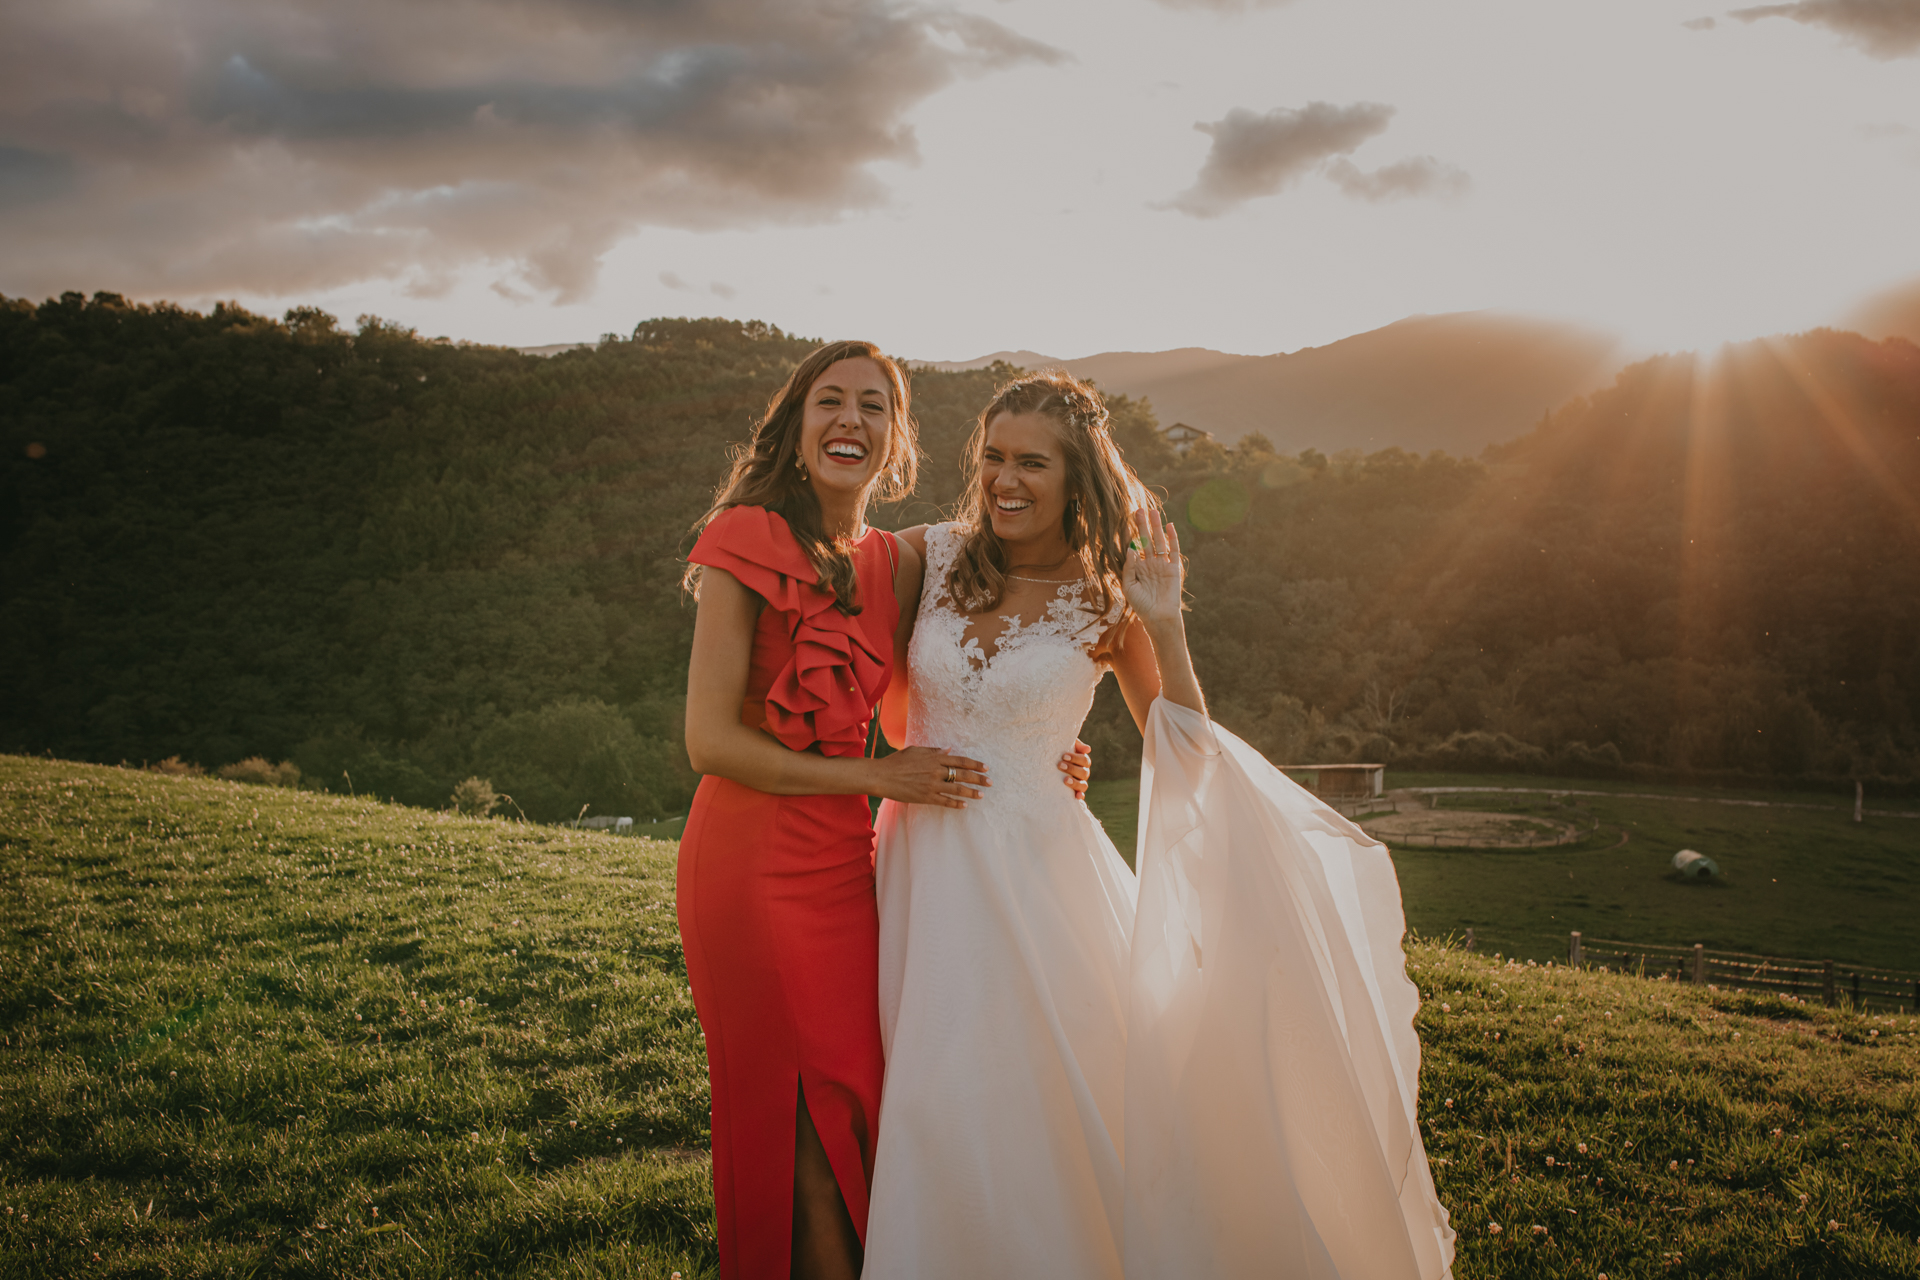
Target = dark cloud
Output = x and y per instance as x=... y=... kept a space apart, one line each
x=1257 y=155
x=210 y=146
x=1418 y=176
x=1885 y=29
x=28 y=177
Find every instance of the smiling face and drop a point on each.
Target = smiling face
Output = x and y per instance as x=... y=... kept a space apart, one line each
x=1024 y=474
x=844 y=429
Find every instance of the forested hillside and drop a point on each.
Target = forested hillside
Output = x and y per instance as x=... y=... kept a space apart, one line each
x=1714 y=565
x=400 y=562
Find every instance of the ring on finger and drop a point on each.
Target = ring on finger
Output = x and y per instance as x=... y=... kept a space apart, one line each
x=953 y=774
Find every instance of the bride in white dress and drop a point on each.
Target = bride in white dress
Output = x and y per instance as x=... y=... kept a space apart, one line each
x=1208 y=1071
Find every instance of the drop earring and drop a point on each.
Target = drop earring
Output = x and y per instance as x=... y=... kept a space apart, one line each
x=800 y=466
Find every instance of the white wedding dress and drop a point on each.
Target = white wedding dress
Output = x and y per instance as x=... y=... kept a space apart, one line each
x=1209 y=1072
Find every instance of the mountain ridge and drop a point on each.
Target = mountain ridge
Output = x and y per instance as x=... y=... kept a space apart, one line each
x=1455 y=382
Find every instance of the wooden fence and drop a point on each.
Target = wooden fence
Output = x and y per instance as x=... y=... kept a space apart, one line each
x=1830 y=982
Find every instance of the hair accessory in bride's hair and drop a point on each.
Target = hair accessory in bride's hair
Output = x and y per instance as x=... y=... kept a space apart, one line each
x=1083 y=413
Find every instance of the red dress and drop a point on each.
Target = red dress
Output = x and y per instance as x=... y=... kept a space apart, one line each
x=775 y=897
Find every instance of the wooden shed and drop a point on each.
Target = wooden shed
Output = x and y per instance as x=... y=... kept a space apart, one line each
x=1342 y=782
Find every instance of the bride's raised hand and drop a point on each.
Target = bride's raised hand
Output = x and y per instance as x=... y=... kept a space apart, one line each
x=1152 y=582
x=1153 y=573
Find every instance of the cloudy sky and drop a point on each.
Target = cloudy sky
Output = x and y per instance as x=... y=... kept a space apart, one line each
x=1067 y=176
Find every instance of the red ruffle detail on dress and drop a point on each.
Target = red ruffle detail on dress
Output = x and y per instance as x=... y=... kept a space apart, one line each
x=826 y=694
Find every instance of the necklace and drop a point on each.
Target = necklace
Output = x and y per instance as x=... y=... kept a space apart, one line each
x=1052 y=582
x=1021 y=577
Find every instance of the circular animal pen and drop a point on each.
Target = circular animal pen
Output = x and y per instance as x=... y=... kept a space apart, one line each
x=1473 y=829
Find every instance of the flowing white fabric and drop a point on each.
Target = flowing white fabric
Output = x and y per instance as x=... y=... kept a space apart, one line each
x=1219 y=1086
x=1272 y=1065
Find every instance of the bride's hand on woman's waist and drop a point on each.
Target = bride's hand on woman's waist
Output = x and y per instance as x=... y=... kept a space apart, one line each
x=929 y=775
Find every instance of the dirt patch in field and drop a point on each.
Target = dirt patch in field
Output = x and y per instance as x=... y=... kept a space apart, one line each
x=1469 y=829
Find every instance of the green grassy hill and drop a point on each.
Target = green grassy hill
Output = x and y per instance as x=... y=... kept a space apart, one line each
x=251 y=1031
x=256 y=1032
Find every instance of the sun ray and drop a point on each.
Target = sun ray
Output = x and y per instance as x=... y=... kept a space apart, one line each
x=1846 y=430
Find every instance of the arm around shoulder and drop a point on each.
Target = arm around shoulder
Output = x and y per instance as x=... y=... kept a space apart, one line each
x=908 y=583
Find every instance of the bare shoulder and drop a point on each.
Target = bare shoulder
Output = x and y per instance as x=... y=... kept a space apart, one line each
x=912 y=551
x=726 y=602
x=915 y=537
x=912 y=568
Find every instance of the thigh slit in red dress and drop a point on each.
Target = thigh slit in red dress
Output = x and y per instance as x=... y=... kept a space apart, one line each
x=775 y=897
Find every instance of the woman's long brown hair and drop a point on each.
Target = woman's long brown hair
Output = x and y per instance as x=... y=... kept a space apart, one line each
x=763 y=474
x=1102 y=494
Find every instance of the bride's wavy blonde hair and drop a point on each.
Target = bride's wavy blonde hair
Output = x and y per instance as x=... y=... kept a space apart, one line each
x=1102 y=493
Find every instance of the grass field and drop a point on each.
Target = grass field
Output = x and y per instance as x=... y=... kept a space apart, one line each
x=1805 y=882
x=250 y=1032
x=1810 y=883
x=1619 y=1126
x=247 y=1031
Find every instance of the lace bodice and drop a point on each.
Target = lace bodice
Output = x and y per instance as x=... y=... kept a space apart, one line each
x=1016 y=709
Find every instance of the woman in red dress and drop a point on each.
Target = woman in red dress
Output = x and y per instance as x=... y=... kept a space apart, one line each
x=799 y=629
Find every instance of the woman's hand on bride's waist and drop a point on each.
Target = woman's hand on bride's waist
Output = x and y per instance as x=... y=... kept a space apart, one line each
x=929 y=775
x=1077 y=764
